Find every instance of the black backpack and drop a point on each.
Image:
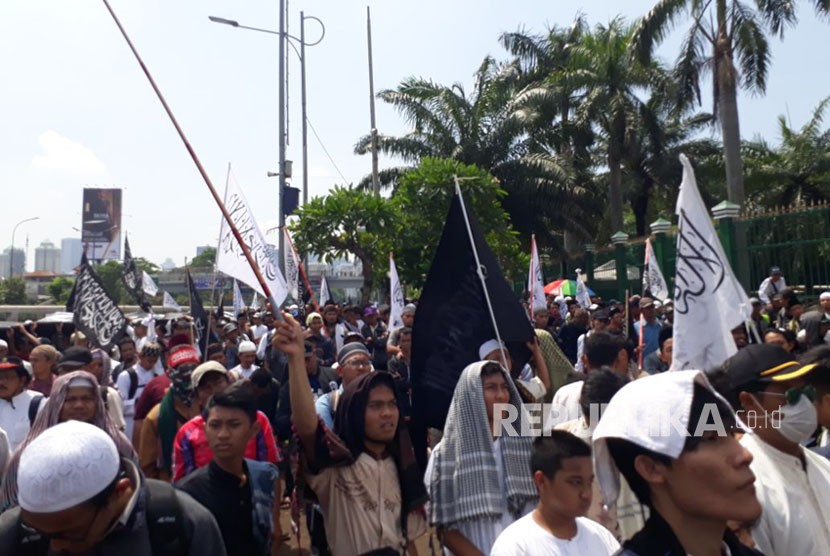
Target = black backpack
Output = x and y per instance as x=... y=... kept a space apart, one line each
x=168 y=536
x=34 y=406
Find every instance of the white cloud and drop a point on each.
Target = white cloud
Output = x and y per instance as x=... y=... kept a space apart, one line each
x=61 y=154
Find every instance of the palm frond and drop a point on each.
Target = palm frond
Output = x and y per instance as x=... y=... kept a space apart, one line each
x=752 y=47
x=652 y=28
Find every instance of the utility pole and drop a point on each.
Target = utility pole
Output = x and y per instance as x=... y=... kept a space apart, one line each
x=373 y=122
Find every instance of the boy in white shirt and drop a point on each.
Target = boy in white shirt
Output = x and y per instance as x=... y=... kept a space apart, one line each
x=564 y=474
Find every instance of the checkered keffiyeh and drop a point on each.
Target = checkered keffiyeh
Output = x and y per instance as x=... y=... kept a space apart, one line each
x=465 y=481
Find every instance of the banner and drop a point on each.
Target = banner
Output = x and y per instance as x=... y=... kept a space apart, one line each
x=325 y=295
x=230 y=257
x=654 y=285
x=133 y=279
x=535 y=280
x=582 y=295
x=238 y=304
x=255 y=302
x=147 y=285
x=708 y=300
x=170 y=303
x=101 y=224
x=96 y=314
x=292 y=267
x=453 y=319
x=396 y=299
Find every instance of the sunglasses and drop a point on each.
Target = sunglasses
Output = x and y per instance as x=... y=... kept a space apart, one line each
x=794 y=394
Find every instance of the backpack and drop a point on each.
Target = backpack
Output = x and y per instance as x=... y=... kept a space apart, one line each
x=133 y=382
x=34 y=406
x=165 y=524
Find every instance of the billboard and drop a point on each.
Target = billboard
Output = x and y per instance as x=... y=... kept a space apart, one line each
x=101 y=224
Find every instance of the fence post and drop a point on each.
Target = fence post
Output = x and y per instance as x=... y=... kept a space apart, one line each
x=589 y=262
x=620 y=240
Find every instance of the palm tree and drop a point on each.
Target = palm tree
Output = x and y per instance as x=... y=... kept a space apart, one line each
x=721 y=33
x=487 y=128
x=795 y=172
x=612 y=84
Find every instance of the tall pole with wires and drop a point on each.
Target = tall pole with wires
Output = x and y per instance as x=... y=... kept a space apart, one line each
x=373 y=122
x=281 y=124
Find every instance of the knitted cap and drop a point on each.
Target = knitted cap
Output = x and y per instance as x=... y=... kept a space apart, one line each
x=350 y=349
x=65 y=466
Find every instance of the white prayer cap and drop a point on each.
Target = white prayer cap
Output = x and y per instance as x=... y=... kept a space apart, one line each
x=4 y=344
x=247 y=347
x=651 y=412
x=824 y=295
x=488 y=347
x=559 y=299
x=65 y=466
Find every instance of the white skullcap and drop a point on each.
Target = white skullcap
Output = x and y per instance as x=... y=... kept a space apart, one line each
x=648 y=412
x=247 y=347
x=4 y=344
x=488 y=347
x=64 y=466
x=824 y=295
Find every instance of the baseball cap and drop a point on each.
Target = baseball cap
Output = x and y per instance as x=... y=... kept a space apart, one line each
x=370 y=310
x=653 y=413
x=228 y=328
x=762 y=363
x=646 y=302
x=14 y=363
x=774 y=270
x=75 y=357
x=205 y=368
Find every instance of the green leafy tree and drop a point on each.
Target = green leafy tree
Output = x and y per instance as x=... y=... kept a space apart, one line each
x=110 y=273
x=797 y=170
x=728 y=39
x=485 y=127
x=422 y=200
x=346 y=222
x=60 y=288
x=205 y=259
x=149 y=267
x=13 y=291
x=612 y=82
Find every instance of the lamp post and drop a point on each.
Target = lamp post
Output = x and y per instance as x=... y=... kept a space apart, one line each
x=11 y=252
x=283 y=172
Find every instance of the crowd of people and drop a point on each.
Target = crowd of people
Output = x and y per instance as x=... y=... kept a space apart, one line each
x=171 y=445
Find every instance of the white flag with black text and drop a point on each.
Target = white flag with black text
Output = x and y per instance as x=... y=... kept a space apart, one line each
x=292 y=267
x=324 y=291
x=708 y=300
x=147 y=284
x=230 y=257
x=654 y=285
x=170 y=303
x=535 y=281
x=396 y=298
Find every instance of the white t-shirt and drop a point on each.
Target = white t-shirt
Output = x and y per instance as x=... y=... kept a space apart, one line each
x=525 y=537
x=244 y=373
x=565 y=405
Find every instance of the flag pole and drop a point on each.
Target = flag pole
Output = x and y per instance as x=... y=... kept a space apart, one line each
x=480 y=274
x=263 y=284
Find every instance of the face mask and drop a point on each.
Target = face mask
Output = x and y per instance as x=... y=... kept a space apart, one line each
x=797 y=422
x=182 y=387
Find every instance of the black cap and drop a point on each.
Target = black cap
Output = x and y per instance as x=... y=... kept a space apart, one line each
x=762 y=363
x=75 y=357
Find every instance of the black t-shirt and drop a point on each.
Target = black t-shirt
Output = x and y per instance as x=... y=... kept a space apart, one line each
x=230 y=503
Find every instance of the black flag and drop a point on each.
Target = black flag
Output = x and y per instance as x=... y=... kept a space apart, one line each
x=96 y=314
x=453 y=319
x=200 y=317
x=132 y=278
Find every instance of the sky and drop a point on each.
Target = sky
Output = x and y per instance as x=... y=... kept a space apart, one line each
x=76 y=111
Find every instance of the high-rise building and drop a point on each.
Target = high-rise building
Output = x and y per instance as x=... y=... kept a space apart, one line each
x=71 y=251
x=47 y=257
x=201 y=249
x=18 y=264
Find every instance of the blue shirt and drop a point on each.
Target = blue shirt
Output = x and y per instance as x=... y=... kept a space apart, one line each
x=650 y=338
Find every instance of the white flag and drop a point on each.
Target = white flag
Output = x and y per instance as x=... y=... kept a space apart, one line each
x=535 y=282
x=147 y=284
x=653 y=280
x=396 y=296
x=324 y=291
x=255 y=302
x=582 y=295
x=231 y=259
x=292 y=267
x=708 y=300
x=170 y=303
x=237 y=299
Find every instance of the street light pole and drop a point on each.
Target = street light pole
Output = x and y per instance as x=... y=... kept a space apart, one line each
x=11 y=252
x=281 y=170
